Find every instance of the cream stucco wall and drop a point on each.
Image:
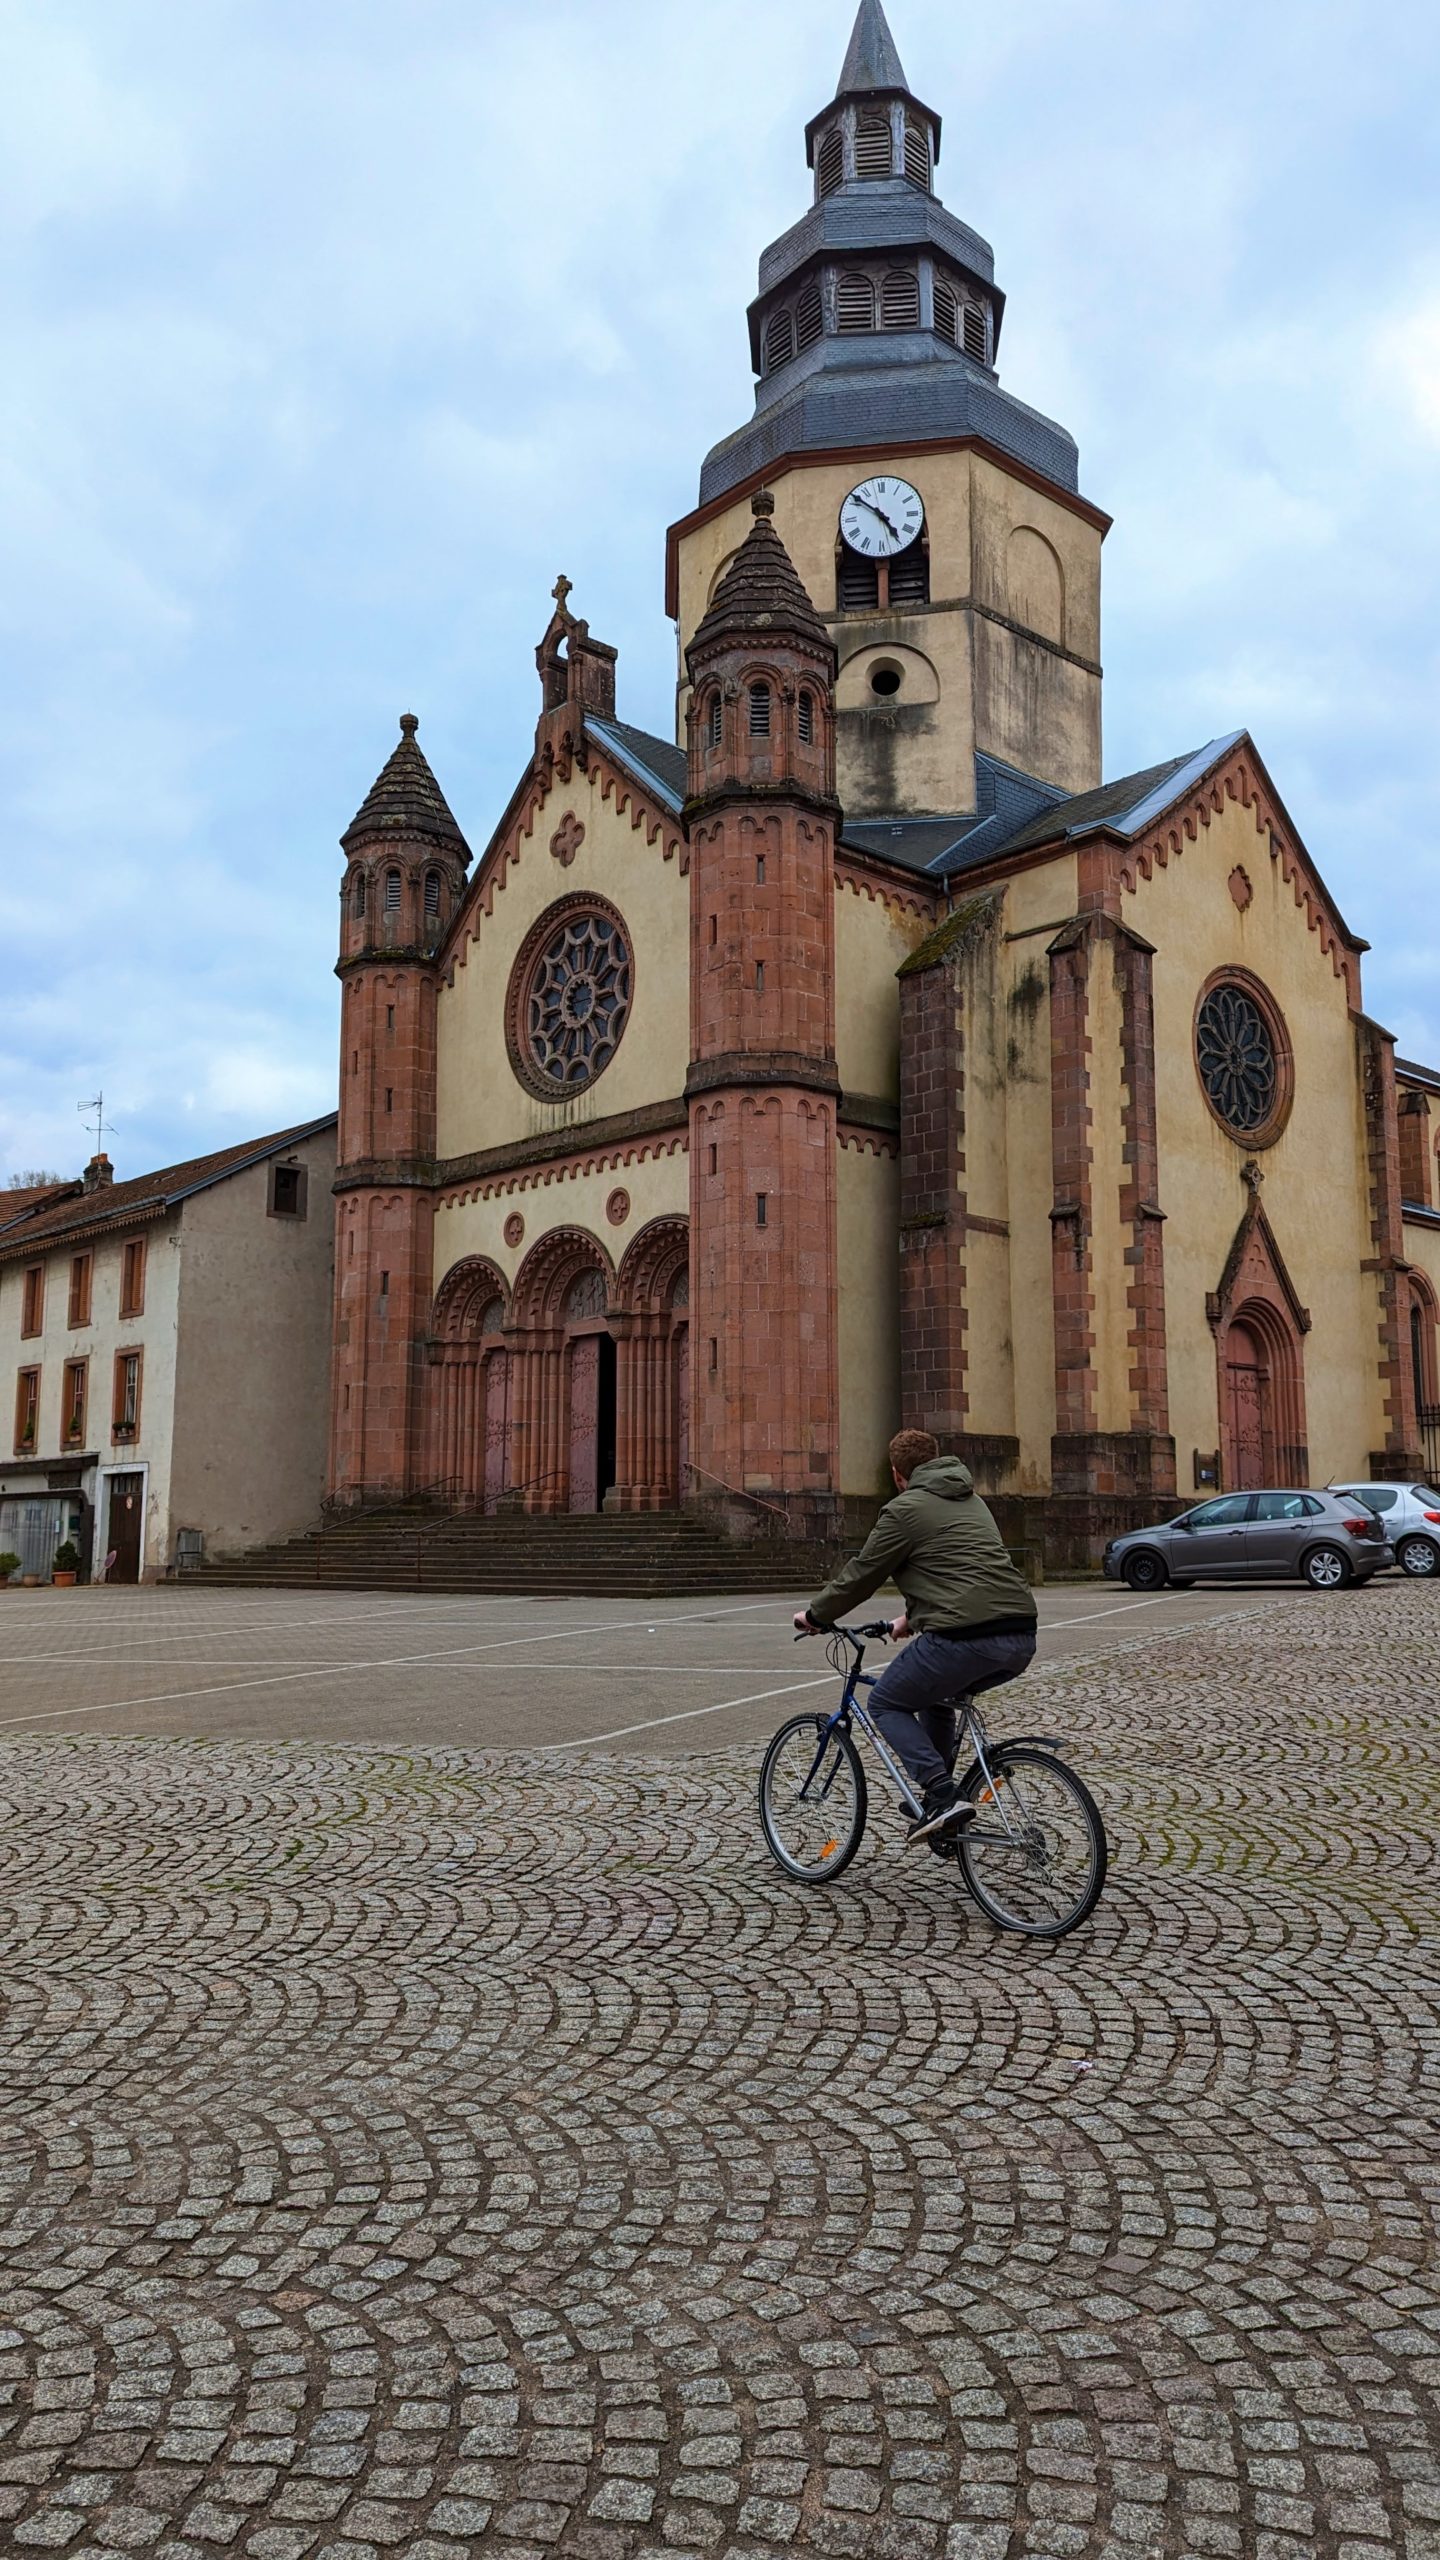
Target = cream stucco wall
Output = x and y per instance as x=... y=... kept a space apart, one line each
x=982 y=682
x=874 y=936
x=1037 y=902
x=481 y=1101
x=1316 y=1185
x=252 y=1374
x=868 y=1206
x=659 y=1187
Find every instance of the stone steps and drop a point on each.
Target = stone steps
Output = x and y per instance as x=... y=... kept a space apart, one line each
x=633 y=1557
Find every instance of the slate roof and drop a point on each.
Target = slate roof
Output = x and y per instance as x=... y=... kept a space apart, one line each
x=873 y=61
x=1410 y=1071
x=657 y=762
x=406 y=800
x=79 y=1212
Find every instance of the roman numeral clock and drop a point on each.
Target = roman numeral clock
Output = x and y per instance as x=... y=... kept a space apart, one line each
x=883 y=555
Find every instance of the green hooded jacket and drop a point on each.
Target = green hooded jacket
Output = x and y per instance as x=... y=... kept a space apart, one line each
x=939 y=1544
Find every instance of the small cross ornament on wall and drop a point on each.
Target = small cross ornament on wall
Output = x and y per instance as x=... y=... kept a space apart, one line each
x=567 y=839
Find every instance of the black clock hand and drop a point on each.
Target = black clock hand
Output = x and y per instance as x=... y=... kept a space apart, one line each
x=891 y=529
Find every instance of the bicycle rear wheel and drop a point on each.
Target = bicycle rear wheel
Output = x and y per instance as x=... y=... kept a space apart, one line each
x=813 y=1801
x=1035 y=1858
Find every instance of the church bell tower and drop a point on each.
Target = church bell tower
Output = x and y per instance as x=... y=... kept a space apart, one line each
x=935 y=519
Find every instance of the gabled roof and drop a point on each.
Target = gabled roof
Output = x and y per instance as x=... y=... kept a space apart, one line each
x=1126 y=807
x=1409 y=1071
x=658 y=763
x=150 y=1195
x=406 y=800
x=26 y=1198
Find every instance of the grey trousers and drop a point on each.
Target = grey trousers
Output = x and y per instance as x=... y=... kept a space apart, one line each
x=913 y=1701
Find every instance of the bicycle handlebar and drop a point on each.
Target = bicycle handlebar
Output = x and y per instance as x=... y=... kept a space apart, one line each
x=879 y=1633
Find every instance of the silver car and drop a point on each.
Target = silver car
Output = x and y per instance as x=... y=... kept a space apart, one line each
x=1409 y=1514
x=1325 y=1539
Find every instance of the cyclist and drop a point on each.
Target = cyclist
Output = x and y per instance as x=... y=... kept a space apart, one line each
x=971 y=1614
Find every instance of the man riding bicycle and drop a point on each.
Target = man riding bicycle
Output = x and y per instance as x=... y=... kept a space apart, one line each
x=971 y=1615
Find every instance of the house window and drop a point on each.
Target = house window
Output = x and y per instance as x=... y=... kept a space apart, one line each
x=806 y=720
x=900 y=299
x=809 y=318
x=874 y=145
x=72 y=1406
x=854 y=306
x=126 y=1422
x=830 y=167
x=289 y=1186
x=759 y=711
x=32 y=1313
x=81 y=1276
x=392 y=893
x=132 y=1279
x=27 y=1413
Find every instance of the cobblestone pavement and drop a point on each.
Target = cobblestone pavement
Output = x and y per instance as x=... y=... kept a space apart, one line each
x=411 y=2153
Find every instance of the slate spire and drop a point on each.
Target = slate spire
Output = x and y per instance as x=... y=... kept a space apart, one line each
x=406 y=800
x=873 y=61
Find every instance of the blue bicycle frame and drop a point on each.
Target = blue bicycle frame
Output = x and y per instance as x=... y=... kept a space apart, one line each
x=852 y=1710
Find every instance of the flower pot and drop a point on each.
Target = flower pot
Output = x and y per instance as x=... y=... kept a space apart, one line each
x=63 y=1581
x=30 y=1582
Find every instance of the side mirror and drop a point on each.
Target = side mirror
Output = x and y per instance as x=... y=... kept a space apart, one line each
x=1188 y=1526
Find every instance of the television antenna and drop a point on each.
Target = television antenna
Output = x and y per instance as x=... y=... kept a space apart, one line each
x=103 y=1128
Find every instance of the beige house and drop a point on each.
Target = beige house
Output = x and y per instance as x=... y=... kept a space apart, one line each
x=166 y=1343
x=859 y=1053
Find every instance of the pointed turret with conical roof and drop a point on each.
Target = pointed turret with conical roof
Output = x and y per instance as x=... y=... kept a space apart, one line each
x=873 y=61
x=404 y=880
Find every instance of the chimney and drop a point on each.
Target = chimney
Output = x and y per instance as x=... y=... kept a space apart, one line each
x=99 y=1173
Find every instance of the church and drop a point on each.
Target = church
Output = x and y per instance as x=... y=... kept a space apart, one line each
x=858 y=1055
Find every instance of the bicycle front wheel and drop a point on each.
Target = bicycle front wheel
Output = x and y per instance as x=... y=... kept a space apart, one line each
x=813 y=1801
x=1035 y=1858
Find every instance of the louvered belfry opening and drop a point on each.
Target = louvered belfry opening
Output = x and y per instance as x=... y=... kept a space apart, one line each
x=857 y=583
x=759 y=711
x=809 y=318
x=715 y=727
x=910 y=575
x=854 y=305
x=947 y=313
x=917 y=154
x=830 y=163
x=805 y=717
x=874 y=144
x=977 y=333
x=779 y=341
x=900 y=299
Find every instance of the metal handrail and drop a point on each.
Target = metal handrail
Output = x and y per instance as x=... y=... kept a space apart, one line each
x=738 y=1491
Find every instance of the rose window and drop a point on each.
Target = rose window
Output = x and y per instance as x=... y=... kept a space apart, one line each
x=1238 y=1060
x=576 y=1001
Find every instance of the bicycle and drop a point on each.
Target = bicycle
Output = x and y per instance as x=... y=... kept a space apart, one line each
x=1035 y=1858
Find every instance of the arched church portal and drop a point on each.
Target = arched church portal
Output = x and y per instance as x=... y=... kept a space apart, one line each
x=1262 y=1400
x=571 y=1393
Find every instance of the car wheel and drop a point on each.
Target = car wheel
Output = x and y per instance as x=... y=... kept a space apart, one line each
x=1326 y=1569
x=1418 y=1556
x=1145 y=1572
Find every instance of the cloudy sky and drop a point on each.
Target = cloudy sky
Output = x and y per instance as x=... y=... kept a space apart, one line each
x=333 y=331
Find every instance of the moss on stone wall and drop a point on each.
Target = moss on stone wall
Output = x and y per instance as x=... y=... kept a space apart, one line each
x=962 y=930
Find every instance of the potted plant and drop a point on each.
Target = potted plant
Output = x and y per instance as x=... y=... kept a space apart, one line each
x=8 y=1565
x=67 y=1566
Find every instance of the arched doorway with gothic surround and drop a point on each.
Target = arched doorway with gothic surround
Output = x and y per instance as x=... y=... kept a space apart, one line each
x=468 y=1449
x=653 y=1325
x=1262 y=1399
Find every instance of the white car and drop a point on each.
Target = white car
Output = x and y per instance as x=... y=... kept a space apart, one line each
x=1410 y=1514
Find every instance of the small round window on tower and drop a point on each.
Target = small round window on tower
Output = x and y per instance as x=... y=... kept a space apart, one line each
x=886 y=680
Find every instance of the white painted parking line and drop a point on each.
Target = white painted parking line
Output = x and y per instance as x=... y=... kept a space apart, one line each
x=757 y=1697
x=344 y=1670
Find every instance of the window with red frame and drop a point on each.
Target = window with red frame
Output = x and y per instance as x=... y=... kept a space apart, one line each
x=73 y=1403
x=27 y=1413
x=32 y=1313
x=127 y=1396
x=82 y=1272
x=132 y=1279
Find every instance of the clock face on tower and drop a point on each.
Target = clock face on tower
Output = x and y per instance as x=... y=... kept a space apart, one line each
x=882 y=517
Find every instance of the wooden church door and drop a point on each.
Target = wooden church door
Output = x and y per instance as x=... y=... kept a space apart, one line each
x=1247 y=1374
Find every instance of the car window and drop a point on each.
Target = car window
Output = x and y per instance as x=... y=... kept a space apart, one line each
x=1281 y=1506
x=1378 y=1497
x=1215 y=1515
x=1313 y=1510
x=1372 y=1500
x=1423 y=1493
